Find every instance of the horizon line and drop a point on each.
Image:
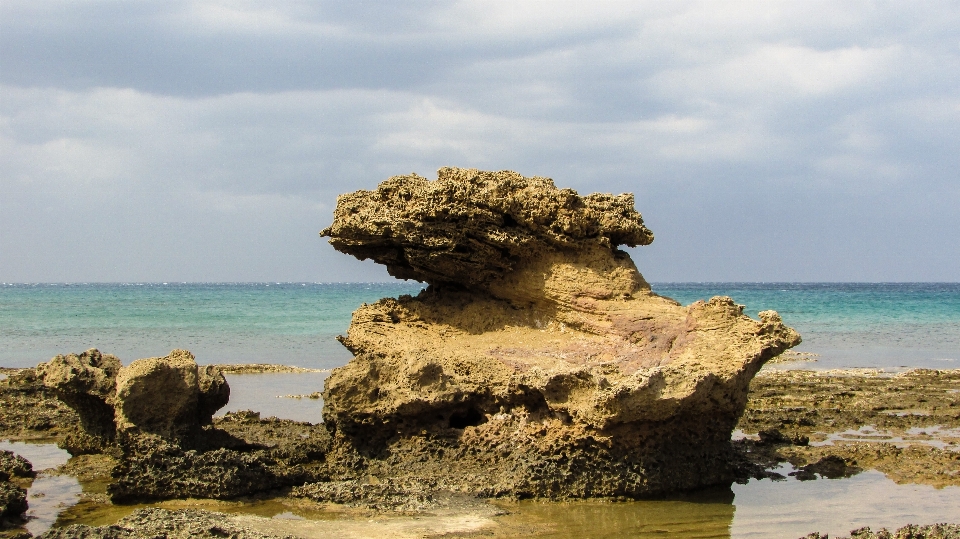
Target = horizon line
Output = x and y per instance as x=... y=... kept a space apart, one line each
x=412 y=282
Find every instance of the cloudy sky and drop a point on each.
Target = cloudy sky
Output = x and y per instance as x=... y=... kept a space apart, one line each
x=207 y=141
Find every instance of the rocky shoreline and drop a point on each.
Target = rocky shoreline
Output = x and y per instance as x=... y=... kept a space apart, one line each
x=791 y=416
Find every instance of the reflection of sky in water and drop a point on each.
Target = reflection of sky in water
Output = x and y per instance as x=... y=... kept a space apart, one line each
x=42 y=456
x=260 y=392
x=836 y=506
x=47 y=495
x=763 y=508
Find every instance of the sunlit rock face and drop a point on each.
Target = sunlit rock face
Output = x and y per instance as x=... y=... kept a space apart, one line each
x=538 y=362
x=171 y=397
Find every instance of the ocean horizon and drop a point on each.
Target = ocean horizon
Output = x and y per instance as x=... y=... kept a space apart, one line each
x=847 y=324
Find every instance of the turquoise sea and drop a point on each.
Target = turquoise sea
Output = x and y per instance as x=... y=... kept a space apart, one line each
x=885 y=325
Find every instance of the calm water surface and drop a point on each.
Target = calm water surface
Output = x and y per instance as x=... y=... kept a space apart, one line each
x=757 y=509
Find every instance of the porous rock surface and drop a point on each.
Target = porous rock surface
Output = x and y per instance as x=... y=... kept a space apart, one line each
x=171 y=397
x=155 y=523
x=155 y=417
x=13 y=465
x=13 y=498
x=538 y=362
x=13 y=503
x=910 y=531
x=87 y=383
x=152 y=468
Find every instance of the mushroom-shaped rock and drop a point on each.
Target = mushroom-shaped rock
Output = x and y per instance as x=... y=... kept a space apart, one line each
x=472 y=227
x=538 y=362
x=169 y=396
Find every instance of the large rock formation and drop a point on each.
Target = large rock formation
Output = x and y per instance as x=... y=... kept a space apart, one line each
x=538 y=362
x=86 y=383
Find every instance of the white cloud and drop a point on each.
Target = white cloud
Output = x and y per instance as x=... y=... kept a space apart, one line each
x=234 y=108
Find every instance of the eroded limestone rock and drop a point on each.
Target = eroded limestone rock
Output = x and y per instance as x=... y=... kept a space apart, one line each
x=472 y=227
x=162 y=436
x=154 y=522
x=155 y=469
x=13 y=498
x=86 y=383
x=171 y=396
x=538 y=362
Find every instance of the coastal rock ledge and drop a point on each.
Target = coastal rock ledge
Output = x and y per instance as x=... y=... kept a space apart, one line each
x=538 y=362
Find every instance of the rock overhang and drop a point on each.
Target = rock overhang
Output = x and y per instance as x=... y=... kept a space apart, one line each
x=471 y=227
x=534 y=317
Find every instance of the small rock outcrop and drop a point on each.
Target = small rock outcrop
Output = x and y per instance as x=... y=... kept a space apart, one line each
x=538 y=362
x=171 y=397
x=86 y=383
x=13 y=465
x=153 y=523
x=910 y=531
x=13 y=503
x=155 y=417
x=13 y=498
x=155 y=469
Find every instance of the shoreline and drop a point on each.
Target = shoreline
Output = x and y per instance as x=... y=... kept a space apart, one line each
x=819 y=424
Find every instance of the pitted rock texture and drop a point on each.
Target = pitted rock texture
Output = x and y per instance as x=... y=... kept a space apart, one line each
x=910 y=531
x=86 y=383
x=13 y=503
x=471 y=227
x=154 y=469
x=538 y=361
x=156 y=523
x=164 y=440
x=13 y=465
x=13 y=498
x=171 y=396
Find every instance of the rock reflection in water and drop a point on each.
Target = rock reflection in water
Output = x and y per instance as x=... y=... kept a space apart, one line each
x=795 y=508
x=47 y=495
x=763 y=508
x=704 y=515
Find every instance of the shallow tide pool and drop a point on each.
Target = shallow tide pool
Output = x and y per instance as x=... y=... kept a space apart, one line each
x=760 y=508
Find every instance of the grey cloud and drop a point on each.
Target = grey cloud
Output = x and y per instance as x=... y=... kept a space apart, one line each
x=180 y=48
x=208 y=141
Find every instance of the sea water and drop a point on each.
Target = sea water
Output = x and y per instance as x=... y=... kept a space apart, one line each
x=286 y=323
x=884 y=325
